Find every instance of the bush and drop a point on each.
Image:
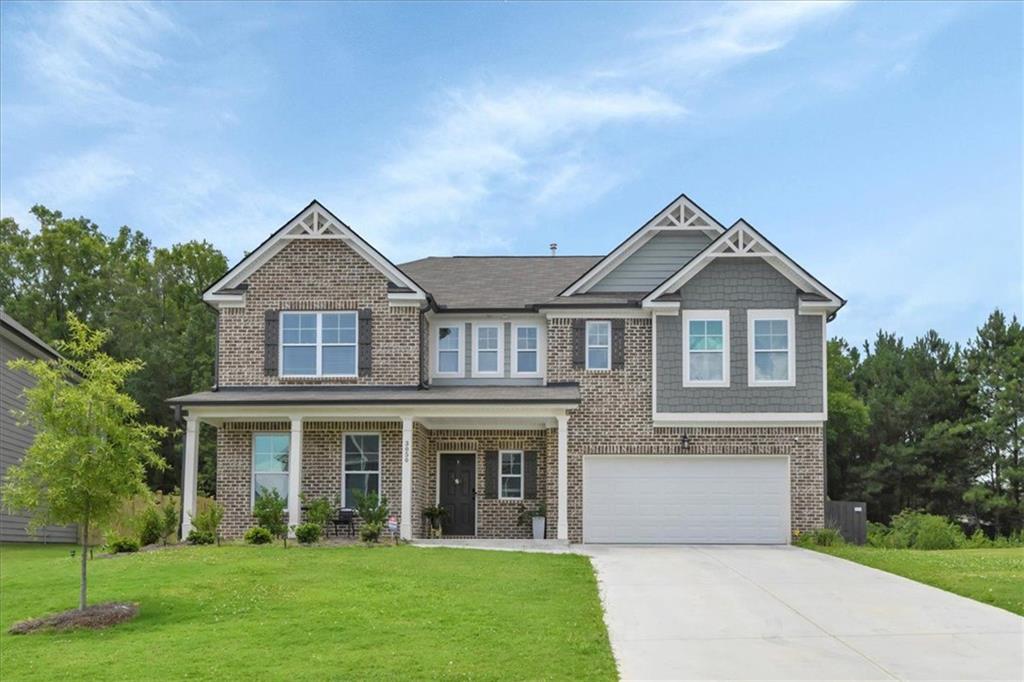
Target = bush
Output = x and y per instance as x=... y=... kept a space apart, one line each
x=370 y=531
x=917 y=530
x=200 y=537
x=149 y=526
x=208 y=520
x=258 y=535
x=269 y=512
x=307 y=533
x=122 y=545
x=319 y=511
x=372 y=508
x=822 y=537
x=877 y=533
x=170 y=520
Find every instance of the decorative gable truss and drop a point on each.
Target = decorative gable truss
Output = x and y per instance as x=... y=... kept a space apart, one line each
x=743 y=241
x=682 y=215
x=312 y=222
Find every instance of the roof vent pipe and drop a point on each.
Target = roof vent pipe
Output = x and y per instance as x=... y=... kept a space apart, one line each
x=554 y=248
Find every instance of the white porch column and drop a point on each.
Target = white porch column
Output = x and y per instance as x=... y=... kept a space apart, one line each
x=190 y=472
x=295 y=477
x=563 y=477
x=406 y=525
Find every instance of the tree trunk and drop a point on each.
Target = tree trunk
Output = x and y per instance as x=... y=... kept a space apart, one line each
x=85 y=556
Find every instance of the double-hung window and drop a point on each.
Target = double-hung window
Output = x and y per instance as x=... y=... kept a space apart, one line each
x=487 y=352
x=449 y=350
x=526 y=350
x=771 y=358
x=319 y=344
x=362 y=466
x=706 y=348
x=510 y=480
x=270 y=463
x=599 y=347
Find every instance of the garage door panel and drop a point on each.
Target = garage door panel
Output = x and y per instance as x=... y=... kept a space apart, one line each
x=686 y=499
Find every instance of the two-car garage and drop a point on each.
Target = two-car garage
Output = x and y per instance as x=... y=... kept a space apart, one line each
x=726 y=499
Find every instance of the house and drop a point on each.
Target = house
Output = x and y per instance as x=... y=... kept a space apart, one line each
x=672 y=390
x=17 y=342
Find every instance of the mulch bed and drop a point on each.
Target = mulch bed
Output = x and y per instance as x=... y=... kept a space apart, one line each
x=94 y=617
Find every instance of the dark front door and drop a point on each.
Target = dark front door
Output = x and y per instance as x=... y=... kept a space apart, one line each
x=458 y=493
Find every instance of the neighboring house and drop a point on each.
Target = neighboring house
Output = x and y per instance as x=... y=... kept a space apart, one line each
x=670 y=391
x=17 y=342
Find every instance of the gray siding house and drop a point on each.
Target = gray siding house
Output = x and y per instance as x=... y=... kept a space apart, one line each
x=18 y=342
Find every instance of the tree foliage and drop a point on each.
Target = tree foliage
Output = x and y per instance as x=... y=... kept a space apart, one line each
x=90 y=452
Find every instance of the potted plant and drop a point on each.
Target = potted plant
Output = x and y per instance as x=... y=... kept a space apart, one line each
x=434 y=515
x=536 y=516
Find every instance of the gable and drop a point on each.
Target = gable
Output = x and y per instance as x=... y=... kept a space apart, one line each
x=314 y=224
x=653 y=262
x=681 y=217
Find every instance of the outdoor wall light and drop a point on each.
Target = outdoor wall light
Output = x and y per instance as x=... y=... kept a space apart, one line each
x=686 y=441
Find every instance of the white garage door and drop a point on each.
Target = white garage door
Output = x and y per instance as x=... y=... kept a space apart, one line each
x=686 y=499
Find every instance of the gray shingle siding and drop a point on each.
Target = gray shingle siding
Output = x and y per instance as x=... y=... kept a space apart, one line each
x=739 y=284
x=654 y=262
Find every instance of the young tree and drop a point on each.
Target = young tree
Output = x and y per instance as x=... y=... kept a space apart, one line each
x=89 y=453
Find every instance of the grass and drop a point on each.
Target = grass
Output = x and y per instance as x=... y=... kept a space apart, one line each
x=237 y=612
x=992 y=576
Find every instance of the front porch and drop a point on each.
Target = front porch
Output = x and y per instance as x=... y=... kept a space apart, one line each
x=416 y=459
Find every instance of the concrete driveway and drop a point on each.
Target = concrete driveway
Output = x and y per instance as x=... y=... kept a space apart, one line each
x=730 y=612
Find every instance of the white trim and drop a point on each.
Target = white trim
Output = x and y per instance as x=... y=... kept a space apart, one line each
x=587 y=345
x=743 y=241
x=559 y=313
x=500 y=350
x=405 y=529
x=635 y=241
x=252 y=460
x=294 y=476
x=824 y=365
x=384 y=411
x=190 y=474
x=676 y=419
x=563 y=477
x=755 y=314
x=521 y=475
x=541 y=349
x=318 y=345
x=698 y=316
x=436 y=353
x=325 y=225
x=344 y=472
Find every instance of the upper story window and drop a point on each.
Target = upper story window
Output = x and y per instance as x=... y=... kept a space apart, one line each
x=270 y=463
x=525 y=350
x=319 y=344
x=449 y=350
x=705 y=348
x=771 y=357
x=511 y=479
x=599 y=335
x=488 y=357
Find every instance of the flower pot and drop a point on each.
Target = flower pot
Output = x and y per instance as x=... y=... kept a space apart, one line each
x=538 y=527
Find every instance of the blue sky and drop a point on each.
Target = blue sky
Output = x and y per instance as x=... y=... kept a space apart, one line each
x=880 y=145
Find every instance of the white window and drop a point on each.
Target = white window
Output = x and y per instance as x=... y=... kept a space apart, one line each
x=706 y=348
x=270 y=463
x=319 y=344
x=361 y=453
x=510 y=480
x=599 y=346
x=526 y=351
x=771 y=358
x=488 y=352
x=449 y=350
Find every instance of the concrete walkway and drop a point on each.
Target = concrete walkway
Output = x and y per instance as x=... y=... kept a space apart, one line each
x=730 y=612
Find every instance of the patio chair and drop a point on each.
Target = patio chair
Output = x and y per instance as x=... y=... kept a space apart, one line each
x=345 y=517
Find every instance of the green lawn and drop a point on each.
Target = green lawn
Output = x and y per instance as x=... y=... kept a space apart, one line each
x=239 y=612
x=993 y=576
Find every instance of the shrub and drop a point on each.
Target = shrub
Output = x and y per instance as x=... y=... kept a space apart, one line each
x=370 y=531
x=208 y=520
x=307 y=533
x=269 y=512
x=877 y=533
x=120 y=545
x=917 y=530
x=319 y=511
x=170 y=520
x=200 y=537
x=258 y=535
x=150 y=526
x=822 y=537
x=372 y=508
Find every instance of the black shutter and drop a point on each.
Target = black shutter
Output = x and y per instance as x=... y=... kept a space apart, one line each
x=530 y=475
x=365 y=342
x=491 y=474
x=579 y=344
x=618 y=344
x=270 y=335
